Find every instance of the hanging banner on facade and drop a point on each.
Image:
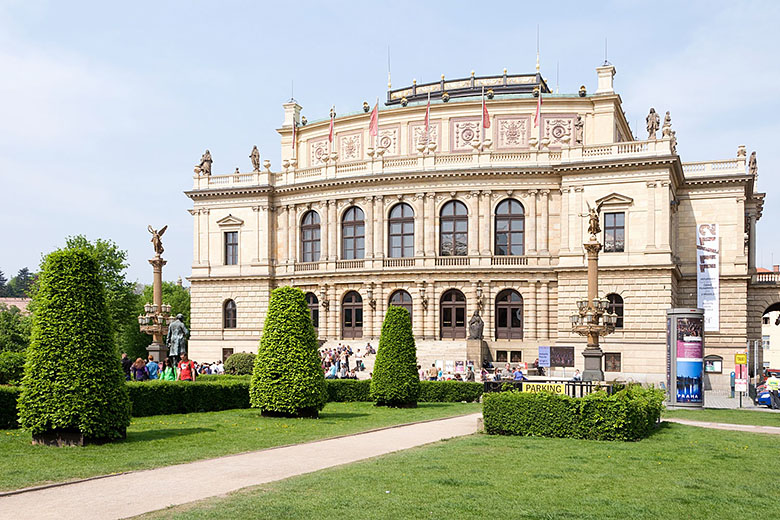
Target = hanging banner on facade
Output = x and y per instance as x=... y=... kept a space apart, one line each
x=708 y=275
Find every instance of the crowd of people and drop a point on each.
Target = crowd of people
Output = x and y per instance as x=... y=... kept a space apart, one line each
x=169 y=369
x=336 y=361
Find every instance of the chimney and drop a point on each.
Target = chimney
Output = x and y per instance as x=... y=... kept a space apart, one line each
x=776 y=268
x=605 y=74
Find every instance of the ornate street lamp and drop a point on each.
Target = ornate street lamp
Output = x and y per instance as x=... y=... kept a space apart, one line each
x=157 y=316
x=592 y=319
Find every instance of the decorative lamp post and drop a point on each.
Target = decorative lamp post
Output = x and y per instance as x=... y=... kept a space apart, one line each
x=157 y=316
x=592 y=319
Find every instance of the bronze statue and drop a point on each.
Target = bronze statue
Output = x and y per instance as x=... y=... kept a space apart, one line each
x=255 y=156
x=204 y=167
x=578 y=130
x=594 y=228
x=653 y=122
x=476 y=326
x=753 y=164
x=177 y=337
x=157 y=239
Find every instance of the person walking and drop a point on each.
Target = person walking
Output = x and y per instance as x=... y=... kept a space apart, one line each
x=167 y=373
x=773 y=385
x=152 y=367
x=433 y=373
x=126 y=364
x=470 y=376
x=187 y=370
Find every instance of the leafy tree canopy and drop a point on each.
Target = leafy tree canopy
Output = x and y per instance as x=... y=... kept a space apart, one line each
x=14 y=329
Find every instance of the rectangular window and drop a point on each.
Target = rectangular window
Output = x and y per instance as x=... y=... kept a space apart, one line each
x=501 y=356
x=515 y=356
x=765 y=341
x=614 y=232
x=612 y=362
x=231 y=248
x=226 y=353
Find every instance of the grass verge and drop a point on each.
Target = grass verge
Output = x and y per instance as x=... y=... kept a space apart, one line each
x=173 y=439
x=753 y=417
x=678 y=472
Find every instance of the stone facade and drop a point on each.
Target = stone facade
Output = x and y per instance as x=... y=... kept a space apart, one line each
x=555 y=179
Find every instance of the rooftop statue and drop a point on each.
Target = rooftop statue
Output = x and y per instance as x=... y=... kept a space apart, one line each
x=476 y=326
x=753 y=164
x=177 y=337
x=667 y=128
x=157 y=239
x=255 y=156
x=653 y=122
x=579 y=126
x=204 y=167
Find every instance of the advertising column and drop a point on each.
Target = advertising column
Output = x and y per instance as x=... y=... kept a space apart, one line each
x=686 y=356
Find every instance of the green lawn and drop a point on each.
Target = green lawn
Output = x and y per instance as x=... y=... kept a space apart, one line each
x=727 y=416
x=173 y=439
x=679 y=472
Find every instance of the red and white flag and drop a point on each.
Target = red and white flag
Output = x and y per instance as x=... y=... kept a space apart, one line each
x=485 y=115
x=428 y=114
x=330 y=130
x=373 y=121
x=538 y=107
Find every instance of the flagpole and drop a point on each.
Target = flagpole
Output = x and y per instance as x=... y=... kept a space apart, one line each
x=482 y=130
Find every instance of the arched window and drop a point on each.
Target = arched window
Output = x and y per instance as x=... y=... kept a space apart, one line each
x=453 y=234
x=616 y=306
x=352 y=316
x=509 y=315
x=314 y=308
x=353 y=234
x=229 y=315
x=510 y=225
x=403 y=299
x=453 y=314
x=310 y=237
x=401 y=231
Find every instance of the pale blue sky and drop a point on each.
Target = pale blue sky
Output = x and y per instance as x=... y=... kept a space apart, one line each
x=105 y=108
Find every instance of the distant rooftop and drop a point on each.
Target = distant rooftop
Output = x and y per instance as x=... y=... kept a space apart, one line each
x=471 y=86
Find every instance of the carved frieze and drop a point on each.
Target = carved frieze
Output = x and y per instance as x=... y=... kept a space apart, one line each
x=512 y=132
x=350 y=147
x=318 y=150
x=417 y=134
x=463 y=131
x=558 y=129
x=387 y=138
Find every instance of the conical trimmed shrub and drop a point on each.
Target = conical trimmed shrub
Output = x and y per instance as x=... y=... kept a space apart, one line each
x=73 y=390
x=287 y=378
x=395 y=381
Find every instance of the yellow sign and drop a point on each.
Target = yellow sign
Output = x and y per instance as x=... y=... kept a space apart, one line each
x=553 y=388
x=740 y=359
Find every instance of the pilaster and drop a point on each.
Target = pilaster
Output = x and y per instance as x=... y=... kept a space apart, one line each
x=474 y=227
x=651 y=243
x=369 y=223
x=544 y=198
x=430 y=224
x=531 y=325
x=530 y=223
x=421 y=226
x=564 y=219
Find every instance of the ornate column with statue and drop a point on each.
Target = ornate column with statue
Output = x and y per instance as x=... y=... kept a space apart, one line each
x=156 y=315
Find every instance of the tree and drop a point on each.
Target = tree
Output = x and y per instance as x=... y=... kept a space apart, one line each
x=240 y=364
x=395 y=381
x=20 y=286
x=73 y=390
x=287 y=378
x=131 y=339
x=3 y=285
x=14 y=329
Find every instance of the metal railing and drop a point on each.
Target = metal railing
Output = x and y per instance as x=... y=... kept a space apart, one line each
x=572 y=388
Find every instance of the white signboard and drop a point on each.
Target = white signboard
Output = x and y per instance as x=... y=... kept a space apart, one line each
x=708 y=275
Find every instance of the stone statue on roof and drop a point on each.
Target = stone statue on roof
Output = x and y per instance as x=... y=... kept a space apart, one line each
x=579 y=128
x=667 y=128
x=255 y=156
x=653 y=122
x=753 y=164
x=204 y=167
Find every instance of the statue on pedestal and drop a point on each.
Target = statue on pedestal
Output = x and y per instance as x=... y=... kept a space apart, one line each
x=579 y=127
x=177 y=337
x=653 y=122
x=476 y=326
x=594 y=228
x=753 y=164
x=157 y=239
x=204 y=167
x=255 y=156
x=667 y=129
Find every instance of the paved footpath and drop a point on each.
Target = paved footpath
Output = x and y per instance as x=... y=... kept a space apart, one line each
x=125 y=495
x=774 y=430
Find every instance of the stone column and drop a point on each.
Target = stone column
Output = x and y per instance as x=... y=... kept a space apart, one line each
x=368 y=227
x=418 y=316
x=368 y=312
x=292 y=218
x=430 y=224
x=256 y=258
x=593 y=353
x=420 y=224
x=544 y=198
x=432 y=313
x=325 y=231
x=530 y=302
x=579 y=221
x=544 y=312
x=284 y=231
x=666 y=226
x=157 y=349
x=564 y=218
x=651 y=244
x=334 y=312
x=196 y=236
x=485 y=223
x=381 y=308
x=207 y=242
x=332 y=238
x=379 y=226
x=474 y=239
x=530 y=223
x=323 y=331
x=752 y=240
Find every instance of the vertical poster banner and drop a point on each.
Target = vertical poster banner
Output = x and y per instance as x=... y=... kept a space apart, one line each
x=690 y=360
x=544 y=357
x=708 y=275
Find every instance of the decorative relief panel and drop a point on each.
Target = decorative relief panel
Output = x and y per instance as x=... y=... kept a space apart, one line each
x=387 y=138
x=417 y=134
x=512 y=132
x=556 y=128
x=318 y=148
x=463 y=131
x=350 y=147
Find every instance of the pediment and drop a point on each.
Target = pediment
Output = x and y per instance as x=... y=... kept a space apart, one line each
x=230 y=220
x=615 y=198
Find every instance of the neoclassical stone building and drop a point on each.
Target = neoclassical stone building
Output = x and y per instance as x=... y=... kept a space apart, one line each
x=455 y=217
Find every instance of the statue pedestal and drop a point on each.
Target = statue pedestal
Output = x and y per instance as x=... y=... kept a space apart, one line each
x=593 y=370
x=475 y=351
x=159 y=352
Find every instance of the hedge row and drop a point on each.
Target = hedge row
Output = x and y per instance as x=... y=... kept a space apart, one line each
x=627 y=415
x=9 y=395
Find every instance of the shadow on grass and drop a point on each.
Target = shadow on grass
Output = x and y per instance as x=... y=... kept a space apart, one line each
x=342 y=415
x=662 y=428
x=151 y=435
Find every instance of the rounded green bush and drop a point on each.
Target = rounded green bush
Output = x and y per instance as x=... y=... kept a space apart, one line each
x=395 y=381
x=73 y=381
x=240 y=364
x=287 y=378
x=11 y=367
